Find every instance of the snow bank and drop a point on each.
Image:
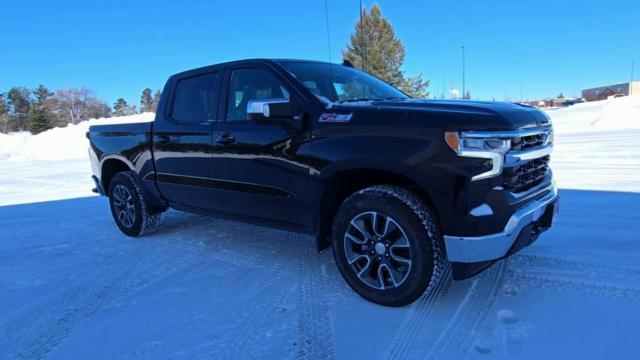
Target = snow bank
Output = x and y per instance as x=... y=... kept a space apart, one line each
x=606 y=115
x=70 y=142
x=64 y=143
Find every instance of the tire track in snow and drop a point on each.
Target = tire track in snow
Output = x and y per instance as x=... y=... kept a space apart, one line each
x=416 y=326
x=559 y=275
x=40 y=331
x=524 y=279
x=557 y=264
x=315 y=334
x=458 y=336
x=262 y=333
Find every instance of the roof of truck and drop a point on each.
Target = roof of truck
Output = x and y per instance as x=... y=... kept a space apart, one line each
x=234 y=62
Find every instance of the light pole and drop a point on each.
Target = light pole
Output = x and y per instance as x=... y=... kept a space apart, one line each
x=521 y=86
x=631 y=82
x=632 y=67
x=464 y=94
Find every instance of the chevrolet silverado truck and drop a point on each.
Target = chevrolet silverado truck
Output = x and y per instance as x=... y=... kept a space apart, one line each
x=400 y=189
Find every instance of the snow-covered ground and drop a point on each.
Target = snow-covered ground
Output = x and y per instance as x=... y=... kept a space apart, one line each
x=73 y=287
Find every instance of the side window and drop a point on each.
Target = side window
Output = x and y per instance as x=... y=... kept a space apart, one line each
x=251 y=84
x=195 y=99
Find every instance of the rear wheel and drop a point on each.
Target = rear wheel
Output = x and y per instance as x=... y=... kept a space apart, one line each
x=387 y=245
x=132 y=214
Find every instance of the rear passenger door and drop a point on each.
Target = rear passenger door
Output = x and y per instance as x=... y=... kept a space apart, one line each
x=182 y=140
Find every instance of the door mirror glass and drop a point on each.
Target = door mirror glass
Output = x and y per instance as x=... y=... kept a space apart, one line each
x=269 y=110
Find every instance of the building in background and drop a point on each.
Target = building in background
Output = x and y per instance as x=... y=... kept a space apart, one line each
x=552 y=103
x=605 y=92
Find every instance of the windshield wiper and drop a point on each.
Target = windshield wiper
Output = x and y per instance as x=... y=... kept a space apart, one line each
x=396 y=98
x=357 y=100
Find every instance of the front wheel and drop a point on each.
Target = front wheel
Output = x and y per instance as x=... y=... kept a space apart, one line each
x=131 y=213
x=387 y=245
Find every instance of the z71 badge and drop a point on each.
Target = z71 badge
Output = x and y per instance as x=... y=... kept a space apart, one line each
x=335 y=117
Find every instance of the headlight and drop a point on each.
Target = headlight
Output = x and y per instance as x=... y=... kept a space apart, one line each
x=460 y=144
x=480 y=147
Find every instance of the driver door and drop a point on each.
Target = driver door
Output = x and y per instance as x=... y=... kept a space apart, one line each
x=257 y=164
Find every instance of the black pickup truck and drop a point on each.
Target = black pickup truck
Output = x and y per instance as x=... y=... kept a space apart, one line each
x=399 y=188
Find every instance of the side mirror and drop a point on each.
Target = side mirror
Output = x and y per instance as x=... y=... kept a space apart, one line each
x=269 y=109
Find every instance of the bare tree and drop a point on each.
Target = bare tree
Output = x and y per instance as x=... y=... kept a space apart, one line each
x=75 y=105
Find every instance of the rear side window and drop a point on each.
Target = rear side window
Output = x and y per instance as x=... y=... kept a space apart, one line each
x=195 y=99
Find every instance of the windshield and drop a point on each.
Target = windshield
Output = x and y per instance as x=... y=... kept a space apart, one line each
x=339 y=83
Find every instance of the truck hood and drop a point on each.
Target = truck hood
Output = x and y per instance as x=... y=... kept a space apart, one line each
x=487 y=113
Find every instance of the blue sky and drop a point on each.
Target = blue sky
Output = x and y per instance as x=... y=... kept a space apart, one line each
x=119 y=47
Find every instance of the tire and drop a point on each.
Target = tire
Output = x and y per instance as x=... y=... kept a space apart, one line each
x=392 y=257
x=131 y=213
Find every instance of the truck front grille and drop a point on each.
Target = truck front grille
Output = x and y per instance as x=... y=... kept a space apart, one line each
x=526 y=176
x=528 y=142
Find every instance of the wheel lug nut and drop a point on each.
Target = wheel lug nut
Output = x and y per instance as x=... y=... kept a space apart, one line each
x=379 y=257
x=371 y=251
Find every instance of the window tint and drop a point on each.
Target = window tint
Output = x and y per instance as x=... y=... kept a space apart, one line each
x=195 y=99
x=251 y=84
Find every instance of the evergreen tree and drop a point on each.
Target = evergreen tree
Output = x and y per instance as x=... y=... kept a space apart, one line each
x=121 y=108
x=146 y=101
x=4 y=115
x=19 y=108
x=156 y=99
x=375 y=42
x=38 y=121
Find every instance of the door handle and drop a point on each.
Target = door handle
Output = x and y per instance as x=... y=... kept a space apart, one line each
x=163 y=139
x=225 y=139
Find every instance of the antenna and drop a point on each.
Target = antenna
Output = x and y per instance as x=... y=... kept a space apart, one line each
x=326 y=13
x=363 y=45
x=464 y=94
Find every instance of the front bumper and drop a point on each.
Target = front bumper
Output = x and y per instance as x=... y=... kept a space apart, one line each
x=522 y=229
x=98 y=189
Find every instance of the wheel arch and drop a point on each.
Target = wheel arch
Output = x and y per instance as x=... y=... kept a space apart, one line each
x=109 y=168
x=344 y=183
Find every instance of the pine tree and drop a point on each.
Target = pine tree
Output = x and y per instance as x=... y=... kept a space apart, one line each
x=146 y=101
x=19 y=108
x=156 y=99
x=121 y=108
x=374 y=41
x=38 y=121
x=4 y=115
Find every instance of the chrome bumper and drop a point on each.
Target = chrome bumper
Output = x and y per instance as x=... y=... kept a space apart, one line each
x=494 y=246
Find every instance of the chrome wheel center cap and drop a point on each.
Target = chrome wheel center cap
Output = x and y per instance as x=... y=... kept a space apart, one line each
x=380 y=249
